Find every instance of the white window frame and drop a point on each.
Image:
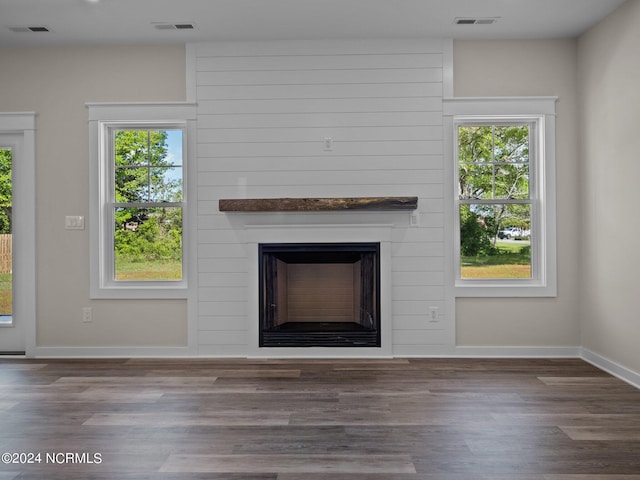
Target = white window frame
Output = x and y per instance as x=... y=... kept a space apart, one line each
x=539 y=111
x=104 y=119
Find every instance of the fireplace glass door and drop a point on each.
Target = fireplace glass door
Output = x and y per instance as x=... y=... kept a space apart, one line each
x=319 y=295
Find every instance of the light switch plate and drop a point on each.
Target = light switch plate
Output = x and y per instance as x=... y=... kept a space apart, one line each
x=74 y=222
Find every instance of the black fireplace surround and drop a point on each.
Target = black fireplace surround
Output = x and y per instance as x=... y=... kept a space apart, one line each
x=319 y=295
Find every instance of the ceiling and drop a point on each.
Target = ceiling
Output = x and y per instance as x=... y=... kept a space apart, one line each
x=82 y=22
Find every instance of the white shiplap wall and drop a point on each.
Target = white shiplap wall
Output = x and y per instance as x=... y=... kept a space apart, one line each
x=264 y=110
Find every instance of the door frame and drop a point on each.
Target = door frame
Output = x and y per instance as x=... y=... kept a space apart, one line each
x=21 y=126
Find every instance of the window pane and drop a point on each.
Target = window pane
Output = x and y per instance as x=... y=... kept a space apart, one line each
x=174 y=148
x=493 y=162
x=132 y=184
x=131 y=147
x=511 y=181
x=475 y=181
x=148 y=243
x=475 y=144
x=511 y=143
x=495 y=241
x=148 y=166
x=166 y=184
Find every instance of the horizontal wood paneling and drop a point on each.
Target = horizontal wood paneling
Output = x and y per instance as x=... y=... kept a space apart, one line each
x=321 y=163
x=315 y=105
x=222 y=294
x=411 y=188
x=307 y=148
x=312 y=134
x=319 y=177
x=212 y=219
x=363 y=90
x=223 y=280
x=210 y=250
x=418 y=249
x=417 y=264
x=219 y=322
x=223 y=265
x=321 y=119
x=416 y=322
x=416 y=292
x=417 y=278
x=223 y=336
x=223 y=308
x=419 y=337
x=418 y=307
x=320 y=77
x=264 y=110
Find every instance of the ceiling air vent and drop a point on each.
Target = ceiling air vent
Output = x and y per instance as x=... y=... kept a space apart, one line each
x=174 y=26
x=475 y=21
x=33 y=28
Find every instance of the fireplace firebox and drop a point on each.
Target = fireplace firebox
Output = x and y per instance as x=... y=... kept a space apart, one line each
x=319 y=295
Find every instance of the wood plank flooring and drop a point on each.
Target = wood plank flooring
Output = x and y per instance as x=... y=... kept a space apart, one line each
x=400 y=419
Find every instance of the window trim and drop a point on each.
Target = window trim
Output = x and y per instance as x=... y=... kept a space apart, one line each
x=541 y=111
x=103 y=120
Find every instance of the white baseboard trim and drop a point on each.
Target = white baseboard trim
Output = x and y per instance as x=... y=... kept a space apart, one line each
x=609 y=366
x=113 y=352
x=170 y=352
x=517 y=352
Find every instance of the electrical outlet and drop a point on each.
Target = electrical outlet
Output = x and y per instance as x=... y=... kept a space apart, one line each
x=87 y=315
x=433 y=314
x=328 y=144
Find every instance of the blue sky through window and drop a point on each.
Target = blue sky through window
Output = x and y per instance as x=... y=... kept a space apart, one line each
x=174 y=155
x=174 y=147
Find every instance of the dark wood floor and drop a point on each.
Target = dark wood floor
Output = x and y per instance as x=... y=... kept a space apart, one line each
x=426 y=419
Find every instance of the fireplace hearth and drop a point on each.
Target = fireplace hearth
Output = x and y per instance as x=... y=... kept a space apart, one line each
x=319 y=295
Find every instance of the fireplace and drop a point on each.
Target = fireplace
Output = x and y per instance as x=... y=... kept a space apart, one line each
x=319 y=295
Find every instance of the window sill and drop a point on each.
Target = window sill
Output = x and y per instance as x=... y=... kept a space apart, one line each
x=492 y=289
x=142 y=293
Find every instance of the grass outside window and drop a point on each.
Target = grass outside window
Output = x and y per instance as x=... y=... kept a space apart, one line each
x=512 y=260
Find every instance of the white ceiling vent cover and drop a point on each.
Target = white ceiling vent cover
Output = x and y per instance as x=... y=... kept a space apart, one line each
x=30 y=28
x=475 y=21
x=175 y=26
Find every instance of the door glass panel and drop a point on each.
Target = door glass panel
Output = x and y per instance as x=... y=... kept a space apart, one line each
x=6 y=264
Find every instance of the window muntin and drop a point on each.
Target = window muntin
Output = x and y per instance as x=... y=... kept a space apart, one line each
x=495 y=199
x=146 y=203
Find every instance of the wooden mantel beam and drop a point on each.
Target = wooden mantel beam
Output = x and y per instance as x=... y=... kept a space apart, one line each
x=317 y=204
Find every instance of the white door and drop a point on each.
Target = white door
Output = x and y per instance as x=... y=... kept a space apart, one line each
x=12 y=332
